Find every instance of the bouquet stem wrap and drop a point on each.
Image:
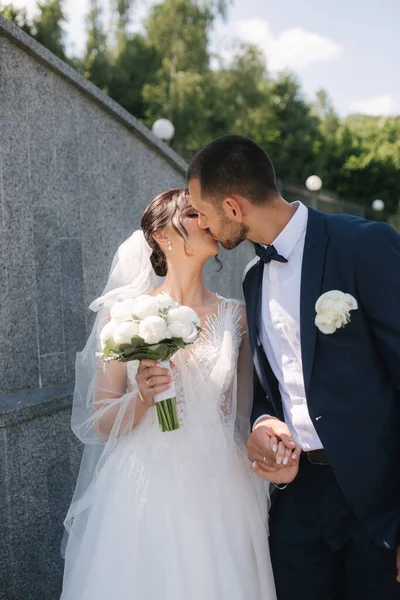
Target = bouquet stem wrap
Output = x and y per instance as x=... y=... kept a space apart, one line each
x=166 y=404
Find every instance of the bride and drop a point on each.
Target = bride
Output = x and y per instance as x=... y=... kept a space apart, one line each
x=176 y=515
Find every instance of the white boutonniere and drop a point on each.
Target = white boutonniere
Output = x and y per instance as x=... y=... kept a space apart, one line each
x=333 y=310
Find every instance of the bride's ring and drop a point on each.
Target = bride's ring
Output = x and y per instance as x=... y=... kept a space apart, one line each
x=147 y=382
x=263 y=460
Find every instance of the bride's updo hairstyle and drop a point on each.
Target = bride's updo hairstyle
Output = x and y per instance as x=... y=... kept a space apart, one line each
x=165 y=209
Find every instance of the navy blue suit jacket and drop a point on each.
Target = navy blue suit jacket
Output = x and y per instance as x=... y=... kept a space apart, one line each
x=352 y=377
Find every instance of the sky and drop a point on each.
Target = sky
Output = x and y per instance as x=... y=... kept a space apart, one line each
x=351 y=48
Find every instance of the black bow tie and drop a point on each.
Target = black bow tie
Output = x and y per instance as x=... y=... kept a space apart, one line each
x=269 y=253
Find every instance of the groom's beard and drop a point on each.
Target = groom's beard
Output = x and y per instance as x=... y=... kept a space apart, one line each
x=236 y=234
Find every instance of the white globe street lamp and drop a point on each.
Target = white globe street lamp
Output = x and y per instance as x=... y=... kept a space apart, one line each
x=378 y=205
x=313 y=184
x=163 y=129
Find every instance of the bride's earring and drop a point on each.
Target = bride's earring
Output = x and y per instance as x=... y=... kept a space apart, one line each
x=169 y=245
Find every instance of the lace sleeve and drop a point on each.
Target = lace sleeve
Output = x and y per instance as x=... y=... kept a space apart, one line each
x=103 y=412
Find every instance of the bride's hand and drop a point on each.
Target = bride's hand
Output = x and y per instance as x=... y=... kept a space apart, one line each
x=271 y=449
x=152 y=380
x=275 y=465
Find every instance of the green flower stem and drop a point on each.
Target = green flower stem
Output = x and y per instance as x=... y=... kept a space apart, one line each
x=162 y=419
x=168 y=419
x=174 y=412
x=167 y=415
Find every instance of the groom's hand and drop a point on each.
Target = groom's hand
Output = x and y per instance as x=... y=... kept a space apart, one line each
x=272 y=451
x=281 y=476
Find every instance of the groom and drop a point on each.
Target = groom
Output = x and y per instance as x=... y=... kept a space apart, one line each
x=328 y=382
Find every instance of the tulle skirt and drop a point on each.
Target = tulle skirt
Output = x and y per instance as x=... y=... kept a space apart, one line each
x=171 y=522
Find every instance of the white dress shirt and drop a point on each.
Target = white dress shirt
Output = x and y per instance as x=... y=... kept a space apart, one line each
x=280 y=328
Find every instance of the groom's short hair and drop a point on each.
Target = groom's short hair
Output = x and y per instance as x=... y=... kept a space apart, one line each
x=234 y=164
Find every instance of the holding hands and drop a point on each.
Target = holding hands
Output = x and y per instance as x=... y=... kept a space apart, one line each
x=272 y=451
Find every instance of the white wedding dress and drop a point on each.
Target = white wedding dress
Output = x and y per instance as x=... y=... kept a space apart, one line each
x=180 y=515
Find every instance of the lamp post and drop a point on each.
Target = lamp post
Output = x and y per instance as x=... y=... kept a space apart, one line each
x=313 y=184
x=163 y=129
x=378 y=205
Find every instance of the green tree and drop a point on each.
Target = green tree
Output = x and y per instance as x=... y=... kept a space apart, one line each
x=96 y=62
x=120 y=19
x=47 y=26
x=135 y=66
x=241 y=99
x=178 y=30
x=18 y=16
x=328 y=159
x=323 y=109
x=166 y=72
x=372 y=170
x=294 y=151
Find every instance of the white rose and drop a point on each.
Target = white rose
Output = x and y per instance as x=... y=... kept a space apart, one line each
x=330 y=301
x=125 y=331
x=165 y=301
x=324 y=325
x=351 y=302
x=192 y=337
x=183 y=314
x=122 y=311
x=153 y=329
x=107 y=334
x=145 y=306
x=180 y=329
x=333 y=310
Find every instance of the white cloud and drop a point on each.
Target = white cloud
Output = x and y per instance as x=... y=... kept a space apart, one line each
x=376 y=106
x=293 y=48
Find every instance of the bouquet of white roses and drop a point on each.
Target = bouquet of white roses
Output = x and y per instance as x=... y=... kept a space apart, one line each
x=152 y=327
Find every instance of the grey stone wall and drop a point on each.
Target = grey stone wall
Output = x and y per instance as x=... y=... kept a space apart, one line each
x=38 y=466
x=74 y=181
x=76 y=171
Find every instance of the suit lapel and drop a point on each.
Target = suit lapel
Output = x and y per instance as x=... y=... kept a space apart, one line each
x=253 y=303
x=315 y=246
x=253 y=294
